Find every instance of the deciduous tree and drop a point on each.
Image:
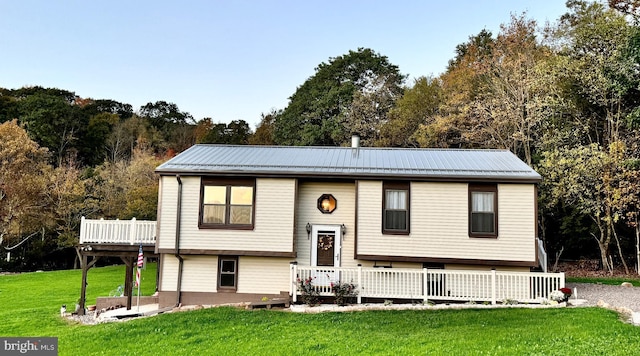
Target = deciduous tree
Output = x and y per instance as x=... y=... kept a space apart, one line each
x=316 y=108
x=23 y=180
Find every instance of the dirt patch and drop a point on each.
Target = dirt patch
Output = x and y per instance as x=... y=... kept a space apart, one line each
x=591 y=268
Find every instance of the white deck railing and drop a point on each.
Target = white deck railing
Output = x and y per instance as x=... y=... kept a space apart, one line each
x=125 y=232
x=542 y=255
x=431 y=284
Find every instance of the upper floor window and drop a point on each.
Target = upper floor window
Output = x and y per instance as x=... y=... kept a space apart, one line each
x=227 y=203
x=483 y=210
x=395 y=211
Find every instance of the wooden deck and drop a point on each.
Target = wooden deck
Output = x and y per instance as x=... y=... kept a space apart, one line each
x=114 y=238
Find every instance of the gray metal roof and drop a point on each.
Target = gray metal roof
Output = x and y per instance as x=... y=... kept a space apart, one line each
x=347 y=162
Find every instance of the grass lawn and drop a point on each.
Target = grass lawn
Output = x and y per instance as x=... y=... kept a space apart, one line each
x=615 y=281
x=30 y=303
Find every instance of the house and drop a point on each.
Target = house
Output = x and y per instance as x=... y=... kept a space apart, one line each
x=232 y=219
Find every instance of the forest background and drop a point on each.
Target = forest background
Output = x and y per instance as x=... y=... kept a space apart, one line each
x=564 y=97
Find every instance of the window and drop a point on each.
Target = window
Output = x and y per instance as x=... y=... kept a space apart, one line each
x=227 y=273
x=483 y=210
x=395 y=210
x=227 y=204
x=327 y=203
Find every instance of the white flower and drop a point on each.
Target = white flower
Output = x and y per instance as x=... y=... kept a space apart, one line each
x=557 y=296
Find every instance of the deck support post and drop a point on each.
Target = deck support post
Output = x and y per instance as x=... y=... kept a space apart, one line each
x=83 y=287
x=85 y=264
x=128 y=277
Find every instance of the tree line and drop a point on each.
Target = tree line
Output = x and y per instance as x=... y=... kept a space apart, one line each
x=563 y=96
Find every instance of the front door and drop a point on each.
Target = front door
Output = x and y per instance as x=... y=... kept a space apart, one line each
x=325 y=251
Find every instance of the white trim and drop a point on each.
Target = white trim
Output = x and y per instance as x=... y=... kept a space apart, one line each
x=337 y=247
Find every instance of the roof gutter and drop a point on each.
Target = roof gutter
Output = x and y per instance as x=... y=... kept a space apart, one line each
x=177 y=244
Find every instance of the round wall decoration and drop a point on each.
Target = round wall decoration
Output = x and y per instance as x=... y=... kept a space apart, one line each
x=327 y=203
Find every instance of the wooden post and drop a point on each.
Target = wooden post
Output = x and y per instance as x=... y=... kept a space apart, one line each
x=83 y=289
x=128 y=277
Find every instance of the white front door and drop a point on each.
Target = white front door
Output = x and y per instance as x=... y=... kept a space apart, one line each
x=326 y=243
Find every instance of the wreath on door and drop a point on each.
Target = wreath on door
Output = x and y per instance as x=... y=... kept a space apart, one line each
x=325 y=242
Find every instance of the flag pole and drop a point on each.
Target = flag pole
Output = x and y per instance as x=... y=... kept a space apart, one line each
x=138 y=296
x=138 y=273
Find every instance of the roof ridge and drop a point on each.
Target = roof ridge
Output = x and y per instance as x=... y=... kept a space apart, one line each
x=361 y=148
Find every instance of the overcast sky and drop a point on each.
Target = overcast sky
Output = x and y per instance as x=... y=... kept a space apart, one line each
x=229 y=60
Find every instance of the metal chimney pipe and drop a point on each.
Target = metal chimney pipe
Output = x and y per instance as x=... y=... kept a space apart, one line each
x=355 y=141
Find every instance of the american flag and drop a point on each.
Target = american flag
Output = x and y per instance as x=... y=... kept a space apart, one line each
x=140 y=263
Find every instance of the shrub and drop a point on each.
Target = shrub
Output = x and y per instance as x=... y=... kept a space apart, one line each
x=343 y=292
x=308 y=292
x=559 y=296
x=508 y=301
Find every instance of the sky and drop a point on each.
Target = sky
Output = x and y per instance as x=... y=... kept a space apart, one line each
x=230 y=60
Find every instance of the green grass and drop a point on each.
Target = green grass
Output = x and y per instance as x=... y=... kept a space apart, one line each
x=604 y=280
x=30 y=302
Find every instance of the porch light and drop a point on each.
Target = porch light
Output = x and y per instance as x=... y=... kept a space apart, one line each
x=343 y=229
x=327 y=203
x=308 y=230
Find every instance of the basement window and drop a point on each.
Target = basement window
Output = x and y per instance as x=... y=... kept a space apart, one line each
x=228 y=273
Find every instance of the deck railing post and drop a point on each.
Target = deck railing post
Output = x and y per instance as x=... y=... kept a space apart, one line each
x=494 y=287
x=294 y=281
x=425 y=284
x=83 y=230
x=360 y=289
x=132 y=232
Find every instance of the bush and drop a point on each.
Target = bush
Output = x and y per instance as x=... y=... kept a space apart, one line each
x=308 y=292
x=343 y=292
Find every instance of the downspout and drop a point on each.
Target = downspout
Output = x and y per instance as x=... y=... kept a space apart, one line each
x=177 y=245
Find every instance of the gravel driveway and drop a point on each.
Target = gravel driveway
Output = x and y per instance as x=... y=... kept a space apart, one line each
x=618 y=296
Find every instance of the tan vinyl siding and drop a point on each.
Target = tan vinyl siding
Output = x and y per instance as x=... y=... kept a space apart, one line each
x=273 y=227
x=169 y=277
x=517 y=225
x=307 y=210
x=167 y=215
x=370 y=238
x=200 y=274
x=439 y=223
x=266 y=275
